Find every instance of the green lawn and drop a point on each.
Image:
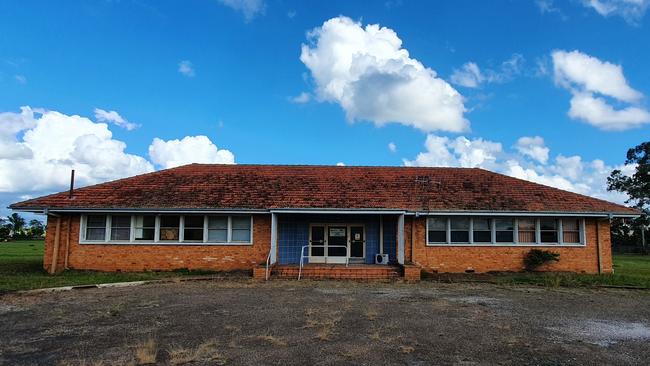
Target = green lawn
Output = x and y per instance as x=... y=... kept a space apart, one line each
x=21 y=268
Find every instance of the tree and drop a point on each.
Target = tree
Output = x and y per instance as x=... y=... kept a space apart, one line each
x=36 y=228
x=637 y=188
x=16 y=224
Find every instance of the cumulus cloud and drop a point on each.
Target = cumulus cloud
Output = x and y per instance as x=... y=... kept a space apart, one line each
x=186 y=68
x=368 y=73
x=340 y=163
x=529 y=160
x=114 y=118
x=586 y=77
x=630 y=10
x=190 y=149
x=471 y=76
x=301 y=98
x=50 y=144
x=533 y=147
x=249 y=8
x=392 y=147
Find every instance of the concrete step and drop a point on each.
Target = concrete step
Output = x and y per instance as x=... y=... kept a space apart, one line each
x=352 y=272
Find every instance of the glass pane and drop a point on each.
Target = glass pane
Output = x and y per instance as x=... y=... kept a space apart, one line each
x=145 y=221
x=144 y=234
x=548 y=224
x=571 y=237
x=218 y=222
x=481 y=224
x=96 y=221
x=458 y=223
x=217 y=235
x=121 y=234
x=504 y=224
x=120 y=221
x=193 y=234
x=482 y=236
x=167 y=234
x=241 y=222
x=241 y=235
x=95 y=233
x=526 y=236
x=460 y=236
x=505 y=236
x=526 y=224
x=169 y=221
x=549 y=236
x=194 y=221
x=437 y=236
x=436 y=224
x=570 y=224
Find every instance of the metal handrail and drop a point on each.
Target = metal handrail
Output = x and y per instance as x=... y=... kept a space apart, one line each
x=268 y=260
x=303 y=256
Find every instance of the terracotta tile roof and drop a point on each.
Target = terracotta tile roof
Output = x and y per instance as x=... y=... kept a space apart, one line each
x=203 y=186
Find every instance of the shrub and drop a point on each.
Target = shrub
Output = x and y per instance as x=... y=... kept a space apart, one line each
x=537 y=257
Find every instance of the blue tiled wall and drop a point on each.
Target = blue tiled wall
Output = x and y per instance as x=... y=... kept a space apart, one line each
x=293 y=234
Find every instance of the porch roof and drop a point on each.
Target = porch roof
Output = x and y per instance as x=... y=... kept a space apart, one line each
x=278 y=187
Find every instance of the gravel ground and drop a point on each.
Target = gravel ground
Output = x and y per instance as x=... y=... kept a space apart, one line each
x=290 y=323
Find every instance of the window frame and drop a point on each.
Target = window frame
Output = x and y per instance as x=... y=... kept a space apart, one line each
x=156 y=241
x=515 y=242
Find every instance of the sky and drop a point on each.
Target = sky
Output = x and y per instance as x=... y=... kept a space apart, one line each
x=549 y=91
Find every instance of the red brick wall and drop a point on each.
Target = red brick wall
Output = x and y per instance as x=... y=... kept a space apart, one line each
x=143 y=257
x=486 y=259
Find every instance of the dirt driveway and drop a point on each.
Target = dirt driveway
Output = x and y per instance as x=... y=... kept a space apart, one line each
x=289 y=322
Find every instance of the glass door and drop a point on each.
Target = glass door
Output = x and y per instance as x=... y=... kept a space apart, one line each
x=357 y=242
x=337 y=244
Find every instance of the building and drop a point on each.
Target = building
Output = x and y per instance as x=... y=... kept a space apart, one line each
x=236 y=217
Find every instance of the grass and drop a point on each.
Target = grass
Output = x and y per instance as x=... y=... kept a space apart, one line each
x=630 y=270
x=21 y=268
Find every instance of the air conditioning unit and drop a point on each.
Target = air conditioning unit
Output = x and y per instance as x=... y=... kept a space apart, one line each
x=381 y=259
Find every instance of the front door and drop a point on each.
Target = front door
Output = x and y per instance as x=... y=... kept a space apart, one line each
x=317 y=244
x=337 y=244
x=357 y=242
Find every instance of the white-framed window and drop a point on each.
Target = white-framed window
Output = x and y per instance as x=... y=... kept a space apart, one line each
x=508 y=231
x=191 y=229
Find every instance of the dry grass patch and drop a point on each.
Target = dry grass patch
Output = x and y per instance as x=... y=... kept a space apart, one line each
x=375 y=336
x=206 y=351
x=406 y=349
x=276 y=341
x=371 y=314
x=146 y=352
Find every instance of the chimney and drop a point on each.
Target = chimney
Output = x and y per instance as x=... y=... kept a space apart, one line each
x=71 y=183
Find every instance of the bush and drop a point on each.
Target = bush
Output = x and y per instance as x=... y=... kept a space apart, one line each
x=536 y=257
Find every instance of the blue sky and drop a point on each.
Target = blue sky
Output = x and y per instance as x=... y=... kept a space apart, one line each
x=232 y=71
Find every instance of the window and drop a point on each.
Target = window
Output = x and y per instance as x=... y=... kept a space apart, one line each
x=218 y=229
x=505 y=230
x=193 y=228
x=482 y=231
x=120 y=227
x=96 y=227
x=459 y=230
x=548 y=230
x=571 y=231
x=241 y=229
x=169 y=227
x=437 y=230
x=145 y=228
x=526 y=230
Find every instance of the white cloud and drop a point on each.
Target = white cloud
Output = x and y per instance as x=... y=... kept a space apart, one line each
x=51 y=144
x=340 y=163
x=392 y=147
x=301 y=98
x=548 y=7
x=601 y=114
x=190 y=149
x=585 y=76
x=533 y=147
x=21 y=79
x=471 y=76
x=630 y=10
x=186 y=68
x=115 y=118
x=368 y=73
x=568 y=173
x=249 y=8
